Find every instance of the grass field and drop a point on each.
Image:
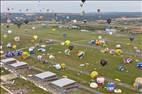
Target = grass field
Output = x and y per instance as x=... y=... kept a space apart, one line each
x=26 y=86
x=3 y=71
x=2 y=91
x=80 y=42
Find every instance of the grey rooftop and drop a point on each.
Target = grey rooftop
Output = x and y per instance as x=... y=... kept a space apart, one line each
x=18 y=64
x=45 y=75
x=63 y=82
x=8 y=60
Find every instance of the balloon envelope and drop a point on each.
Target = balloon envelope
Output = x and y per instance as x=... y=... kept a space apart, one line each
x=94 y=74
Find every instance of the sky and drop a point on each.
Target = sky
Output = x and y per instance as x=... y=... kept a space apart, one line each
x=72 y=6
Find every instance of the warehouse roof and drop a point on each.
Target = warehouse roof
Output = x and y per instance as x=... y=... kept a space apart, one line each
x=18 y=64
x=63 y=82
x=8 y=60
x=46 y=74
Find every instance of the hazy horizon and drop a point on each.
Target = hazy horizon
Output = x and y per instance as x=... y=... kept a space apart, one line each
x=70 y=6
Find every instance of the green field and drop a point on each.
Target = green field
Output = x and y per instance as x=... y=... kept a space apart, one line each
x=80 y=42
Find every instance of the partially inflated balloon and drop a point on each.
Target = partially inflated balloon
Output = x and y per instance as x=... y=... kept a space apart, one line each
x=53 y=29
x=71 y=47
x=5 y=36
x=35 y=37
x=16 y=38
x=9 y=31
x=14 y=46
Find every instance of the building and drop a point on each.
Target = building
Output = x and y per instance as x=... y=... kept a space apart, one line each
x=48 y=76
x=19 y=65
x=64 y=85
x=8 y=61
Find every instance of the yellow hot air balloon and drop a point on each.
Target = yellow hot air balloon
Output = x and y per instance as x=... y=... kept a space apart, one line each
x=5 y=36
x=35 y=37
x=118 y=51
x=94 y=74
x=25 y=55
x=53 y=29
x=14 y=46
x=67 y=42
x=63 y=65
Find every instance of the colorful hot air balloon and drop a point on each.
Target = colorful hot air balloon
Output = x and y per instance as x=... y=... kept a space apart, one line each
x=100 y=80
x=139 y=65
x=110 y=86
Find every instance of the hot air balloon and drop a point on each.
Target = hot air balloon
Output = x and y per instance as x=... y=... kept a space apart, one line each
x=98 y=10
x=127 y=60
x=7 y=26
x=63 y=65
x=27 y=9
x=93 y=85
x=83 y=1
x=94 y=74
x=18 y=22
x=17 y=38
x=26 y=21
x=9 y=31
x=110 y=86
x=35 y=37
x=14 y=46
x=67 y=42
x=103 y=62
x=25 y=55
x=100 y=80
x=67 y=51
x=131 y=37
x=139 y=65
x=81 y=54
x=138 y=84
x=71 y=47
x=109 y=21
